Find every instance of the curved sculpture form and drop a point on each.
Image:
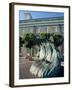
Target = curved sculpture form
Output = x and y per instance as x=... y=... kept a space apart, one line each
x=49 y=62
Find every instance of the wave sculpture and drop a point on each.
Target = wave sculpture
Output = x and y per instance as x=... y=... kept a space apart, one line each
x=48 y=63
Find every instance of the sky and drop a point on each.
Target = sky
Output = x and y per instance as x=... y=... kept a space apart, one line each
x=39 y=14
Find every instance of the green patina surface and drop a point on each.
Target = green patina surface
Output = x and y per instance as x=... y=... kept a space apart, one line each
x=42 y=21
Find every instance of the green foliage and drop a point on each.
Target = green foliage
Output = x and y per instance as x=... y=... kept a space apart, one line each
x=58 y=39
x=43 y=35
x=30 y=39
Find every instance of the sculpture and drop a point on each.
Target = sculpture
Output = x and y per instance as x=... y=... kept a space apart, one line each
x=49 y=61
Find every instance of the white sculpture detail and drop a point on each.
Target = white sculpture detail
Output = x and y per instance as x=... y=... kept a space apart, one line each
x=48 y=63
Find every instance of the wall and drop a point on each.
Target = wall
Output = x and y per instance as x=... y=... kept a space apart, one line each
x=4 y=44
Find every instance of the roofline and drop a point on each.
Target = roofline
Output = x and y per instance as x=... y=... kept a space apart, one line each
x=40 y=19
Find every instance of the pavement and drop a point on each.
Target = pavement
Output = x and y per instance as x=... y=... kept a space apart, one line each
x=24 y=68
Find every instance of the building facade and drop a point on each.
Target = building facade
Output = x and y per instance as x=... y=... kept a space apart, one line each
x=46 y=25
x=36 y=26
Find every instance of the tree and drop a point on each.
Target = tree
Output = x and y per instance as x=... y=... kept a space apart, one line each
x=58 y=39
x=30 y=41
